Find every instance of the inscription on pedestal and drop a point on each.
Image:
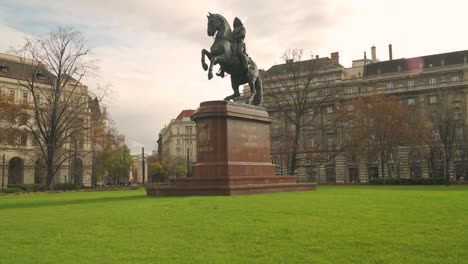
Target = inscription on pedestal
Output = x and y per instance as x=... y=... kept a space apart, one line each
x=249 y=137
x=203 y=134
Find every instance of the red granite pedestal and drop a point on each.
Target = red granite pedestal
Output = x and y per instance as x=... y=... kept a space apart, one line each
x=233 y=155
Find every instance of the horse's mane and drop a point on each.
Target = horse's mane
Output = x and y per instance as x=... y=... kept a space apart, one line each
x=228 y=27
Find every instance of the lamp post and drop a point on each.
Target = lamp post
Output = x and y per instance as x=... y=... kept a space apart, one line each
x=188 y=163
x=143 y=164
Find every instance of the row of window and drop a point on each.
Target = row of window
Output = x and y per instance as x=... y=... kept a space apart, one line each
x=188 y=142
x=25 y=96
x=188 y=130
x=432 y=82
x=312 y=143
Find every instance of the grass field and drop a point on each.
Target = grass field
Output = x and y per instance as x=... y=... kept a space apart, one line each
x=348 y=224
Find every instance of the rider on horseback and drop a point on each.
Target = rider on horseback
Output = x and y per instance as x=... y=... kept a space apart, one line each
x=238 y=35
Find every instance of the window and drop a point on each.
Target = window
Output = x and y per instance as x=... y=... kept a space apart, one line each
x=276 y=145
x=432 y=82
x=275 y=129
x=329 y=109
x=455 y=78
x=458 y=115
x=178 y=131
x=327 y=91
x=293 y=115
x=292 y=129
x=312 y=143
x=349 y=90
x=411 y=101
x=389 y=86
x=329 y=129
x=459 y=132
x=433 y=99
x=37 y=98
x=435 y=135
x=330 y=143
x=12 y=93
x=178 y=141
x=410 y=84
x=25 y=97
x=188 y=130
x=23 y=140
x=350 y=108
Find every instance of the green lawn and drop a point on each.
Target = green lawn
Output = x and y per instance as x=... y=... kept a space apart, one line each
x=358 y=224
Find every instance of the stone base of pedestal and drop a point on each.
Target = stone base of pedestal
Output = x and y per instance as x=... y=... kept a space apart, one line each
x=191 y=188
x=233 y=155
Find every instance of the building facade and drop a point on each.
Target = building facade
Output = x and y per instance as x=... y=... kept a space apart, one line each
x=23 y=162
x=177 y=140
x=423 y=83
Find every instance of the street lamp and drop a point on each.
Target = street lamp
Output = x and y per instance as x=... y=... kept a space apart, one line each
x=188 y=163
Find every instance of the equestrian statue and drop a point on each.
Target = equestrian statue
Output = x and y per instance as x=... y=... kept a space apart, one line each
x=229 y=51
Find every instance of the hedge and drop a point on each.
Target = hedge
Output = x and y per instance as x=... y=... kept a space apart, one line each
x=42 y=187
x=408 y=181
x=28 y=187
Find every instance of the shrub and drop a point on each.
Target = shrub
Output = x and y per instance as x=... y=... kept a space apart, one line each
x=407 y=181
x=13 y=190
x=65 y=186
x=28 y=187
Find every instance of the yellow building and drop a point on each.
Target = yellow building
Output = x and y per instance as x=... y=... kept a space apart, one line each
x=178 y=139
x=23 y=162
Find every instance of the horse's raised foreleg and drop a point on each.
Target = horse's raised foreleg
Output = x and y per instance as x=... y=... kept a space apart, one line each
x=214 y=60
x=235 y=88
x=204 y=53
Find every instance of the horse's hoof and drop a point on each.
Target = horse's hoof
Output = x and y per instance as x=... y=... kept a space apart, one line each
x=210 y=76
x=205 y=67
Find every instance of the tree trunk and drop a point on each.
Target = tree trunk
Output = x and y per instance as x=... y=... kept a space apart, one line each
x=294 y=152
x=382 y=165
x=50 y=170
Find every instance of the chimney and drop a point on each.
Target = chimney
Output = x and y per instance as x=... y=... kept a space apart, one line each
x=390 y=52
x=374 y=55
x=335 y=57
x=289 y=60
x=316 y=57
x=365 y=56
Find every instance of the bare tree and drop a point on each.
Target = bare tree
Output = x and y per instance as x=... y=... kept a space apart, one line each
x=54 y=66
x=299 y=95
x=447 y=128
x=381 y=124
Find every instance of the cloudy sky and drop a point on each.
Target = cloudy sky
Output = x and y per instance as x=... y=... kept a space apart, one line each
x=149 y=50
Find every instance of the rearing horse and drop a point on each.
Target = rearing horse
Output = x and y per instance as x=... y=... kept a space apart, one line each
x=221 y=53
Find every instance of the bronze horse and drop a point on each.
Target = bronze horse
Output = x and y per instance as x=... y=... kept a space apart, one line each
x=222 y=53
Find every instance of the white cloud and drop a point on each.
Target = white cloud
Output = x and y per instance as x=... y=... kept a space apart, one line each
x=150 y=50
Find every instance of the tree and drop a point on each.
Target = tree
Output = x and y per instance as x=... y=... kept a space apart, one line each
x=174 y=166
x=156 y=172
x=379 y=125
x=104 y=139
x=55 y=65
x=447 y=129
x=298 y=94
x=117 y=164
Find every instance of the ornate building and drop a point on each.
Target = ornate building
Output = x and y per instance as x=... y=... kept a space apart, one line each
x=424 y=83
x=178 y=139
x=23 y=162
